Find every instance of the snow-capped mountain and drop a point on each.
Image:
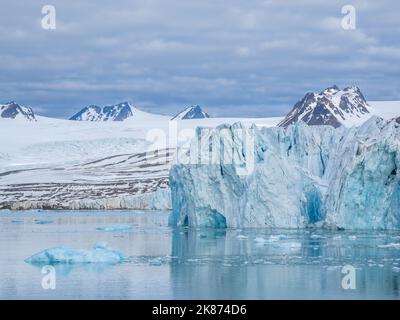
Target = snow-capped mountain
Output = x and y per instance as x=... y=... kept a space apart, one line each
x=13 y=110
x=192 y=112
x=332 y=106
x=118 y=112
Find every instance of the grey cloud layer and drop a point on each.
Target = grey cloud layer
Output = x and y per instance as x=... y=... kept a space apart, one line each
x=251 y=58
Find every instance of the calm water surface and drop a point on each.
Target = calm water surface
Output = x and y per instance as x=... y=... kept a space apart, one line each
x=174 y=263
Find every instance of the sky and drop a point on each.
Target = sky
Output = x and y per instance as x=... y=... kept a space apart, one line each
x=234 y=58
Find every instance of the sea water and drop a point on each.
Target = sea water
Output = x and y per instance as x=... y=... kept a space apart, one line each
x=182 y=263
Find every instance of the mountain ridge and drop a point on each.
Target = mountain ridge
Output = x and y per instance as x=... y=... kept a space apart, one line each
x=117 y=112
x=332 y=106
x=191 y=112
x=13 y=110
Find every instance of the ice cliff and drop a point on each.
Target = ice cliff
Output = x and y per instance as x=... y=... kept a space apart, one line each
x=289 y=178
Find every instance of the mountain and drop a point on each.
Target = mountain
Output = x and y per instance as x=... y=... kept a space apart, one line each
x=332 y=106
x=13 y=110
x=118 y=112
x=192 y=112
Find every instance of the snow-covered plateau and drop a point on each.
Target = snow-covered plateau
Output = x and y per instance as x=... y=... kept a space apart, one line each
x=299 y=176
x=76 y=165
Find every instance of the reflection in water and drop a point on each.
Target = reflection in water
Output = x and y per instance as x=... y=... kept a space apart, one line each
x=181 y=263
x=64 y=270
x=214 y=264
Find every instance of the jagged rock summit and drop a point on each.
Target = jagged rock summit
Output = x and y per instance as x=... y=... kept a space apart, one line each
x=332 y=106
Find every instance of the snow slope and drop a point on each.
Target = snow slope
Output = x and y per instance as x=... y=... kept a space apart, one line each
x=64 y=164
x=385 y=109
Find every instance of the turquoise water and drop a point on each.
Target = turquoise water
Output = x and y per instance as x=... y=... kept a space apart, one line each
x=173 y=263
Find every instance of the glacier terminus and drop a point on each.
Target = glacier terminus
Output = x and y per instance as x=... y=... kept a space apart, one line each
x=303 y=176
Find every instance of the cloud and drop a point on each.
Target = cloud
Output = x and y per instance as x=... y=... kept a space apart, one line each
x=243 y=51
x=234 y=57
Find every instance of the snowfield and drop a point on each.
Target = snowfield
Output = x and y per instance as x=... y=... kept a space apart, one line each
x=385 y=109
x=64 y=164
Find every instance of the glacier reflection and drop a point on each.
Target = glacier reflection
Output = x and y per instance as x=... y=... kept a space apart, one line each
x=295 y=265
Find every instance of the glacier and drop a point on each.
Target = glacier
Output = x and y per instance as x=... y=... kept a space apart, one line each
x=300 y=176
x=160 y=199
x=100 y=253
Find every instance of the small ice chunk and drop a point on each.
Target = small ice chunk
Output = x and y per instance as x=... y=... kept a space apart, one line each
x=272 y=238
x=115 y=228
x=295 y=245
x=99 y=254
x=155 y=261
x=332 y=268
x=396 y=269
x=277 y=237
x=260 y=240
x=352 y=237
x=316 y=236
x=44 y=221
x=242 y=237
x=390 y=246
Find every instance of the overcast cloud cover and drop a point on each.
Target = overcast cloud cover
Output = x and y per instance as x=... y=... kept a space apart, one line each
x=239 y=58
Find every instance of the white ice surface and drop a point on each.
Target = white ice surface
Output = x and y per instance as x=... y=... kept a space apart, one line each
x=63 y=255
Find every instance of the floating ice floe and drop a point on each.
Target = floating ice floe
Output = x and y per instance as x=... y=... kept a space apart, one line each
x=44 y=221
x=277 y=237
x=115 y=228
x=260 y=240
x=316 y=236
x=291 y=245
x=99 y=254
x=271 y=238
x=156 y=261
x=390 y=246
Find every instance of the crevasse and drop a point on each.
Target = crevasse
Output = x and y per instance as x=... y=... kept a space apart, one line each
x=301 y=176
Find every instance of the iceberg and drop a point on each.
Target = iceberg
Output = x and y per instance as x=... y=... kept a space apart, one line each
x=300 y=176
x=64 y=255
